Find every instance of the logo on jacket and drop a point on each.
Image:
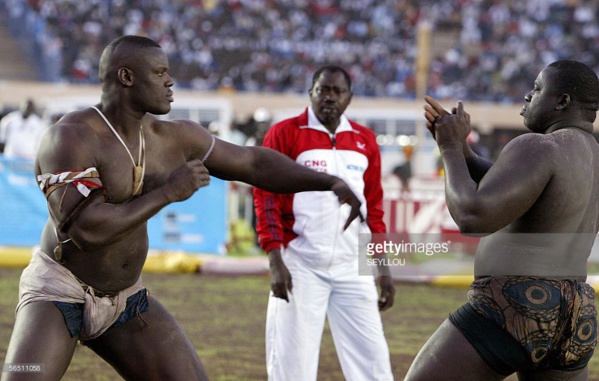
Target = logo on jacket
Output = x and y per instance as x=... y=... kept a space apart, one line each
x=354 y=167
x=317 y=165
x=361 y=145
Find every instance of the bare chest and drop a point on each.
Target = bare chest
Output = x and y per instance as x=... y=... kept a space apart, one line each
x=118 y=172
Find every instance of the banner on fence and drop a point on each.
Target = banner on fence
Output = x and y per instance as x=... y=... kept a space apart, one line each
x=197 y=225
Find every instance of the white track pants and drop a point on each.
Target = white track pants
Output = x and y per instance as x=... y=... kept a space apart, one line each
x=294 y=329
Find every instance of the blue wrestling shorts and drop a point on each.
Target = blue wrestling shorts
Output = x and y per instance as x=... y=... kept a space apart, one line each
x=73 y=312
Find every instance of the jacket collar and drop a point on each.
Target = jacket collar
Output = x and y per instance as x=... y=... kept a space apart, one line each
x=310 y=120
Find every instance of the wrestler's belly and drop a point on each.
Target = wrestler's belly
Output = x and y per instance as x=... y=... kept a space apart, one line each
x=549 y=257
x=111 y=268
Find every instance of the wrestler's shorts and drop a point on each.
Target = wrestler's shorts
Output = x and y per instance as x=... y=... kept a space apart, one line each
x=525 y=323
x=73 y=312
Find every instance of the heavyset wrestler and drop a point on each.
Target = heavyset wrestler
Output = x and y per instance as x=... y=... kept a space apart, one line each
x=537 y=207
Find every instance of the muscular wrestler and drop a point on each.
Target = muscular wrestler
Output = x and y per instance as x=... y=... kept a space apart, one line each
x=105 y=171
x=529 y=310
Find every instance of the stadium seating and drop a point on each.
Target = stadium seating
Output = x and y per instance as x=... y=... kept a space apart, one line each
x=484 y=50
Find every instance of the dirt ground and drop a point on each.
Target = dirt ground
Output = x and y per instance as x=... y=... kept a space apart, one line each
x=224 y=316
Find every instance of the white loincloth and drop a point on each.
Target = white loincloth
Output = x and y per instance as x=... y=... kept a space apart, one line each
x=46 y=280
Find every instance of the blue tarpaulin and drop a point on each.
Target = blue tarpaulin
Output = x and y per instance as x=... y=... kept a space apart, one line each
x=196 y=225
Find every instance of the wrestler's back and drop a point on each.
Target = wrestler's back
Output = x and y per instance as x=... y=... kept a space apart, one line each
x=117 y=265
x=554 y=237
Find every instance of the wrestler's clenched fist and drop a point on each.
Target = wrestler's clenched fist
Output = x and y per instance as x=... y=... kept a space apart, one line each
x=186 y=179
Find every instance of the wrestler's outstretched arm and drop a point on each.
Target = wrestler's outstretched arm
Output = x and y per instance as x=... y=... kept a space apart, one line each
x=270 y=170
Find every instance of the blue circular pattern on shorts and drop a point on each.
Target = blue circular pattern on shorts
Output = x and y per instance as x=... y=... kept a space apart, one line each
x=586 y=331
x=534 y=298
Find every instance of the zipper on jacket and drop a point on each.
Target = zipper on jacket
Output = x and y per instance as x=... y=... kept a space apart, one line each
x=334 y=248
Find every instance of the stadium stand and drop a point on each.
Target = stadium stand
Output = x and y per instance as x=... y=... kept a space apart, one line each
x=14 y=63
x=484 y=50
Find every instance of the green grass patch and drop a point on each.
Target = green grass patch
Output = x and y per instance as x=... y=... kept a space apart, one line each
x=225 y=316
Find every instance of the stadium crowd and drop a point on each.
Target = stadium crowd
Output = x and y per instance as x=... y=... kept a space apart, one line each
x=272 y=45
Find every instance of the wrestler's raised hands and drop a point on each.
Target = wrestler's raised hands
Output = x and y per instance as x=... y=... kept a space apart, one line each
x=186 y=179
x=433 y=111
x=452 y=129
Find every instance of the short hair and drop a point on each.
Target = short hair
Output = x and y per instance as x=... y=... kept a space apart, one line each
x=107 y=60
x=331 y=69
x=580 y=82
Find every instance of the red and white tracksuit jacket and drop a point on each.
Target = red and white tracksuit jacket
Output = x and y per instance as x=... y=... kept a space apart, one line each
x=311 y=223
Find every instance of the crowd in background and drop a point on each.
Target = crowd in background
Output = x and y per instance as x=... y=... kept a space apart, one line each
x=273 y=45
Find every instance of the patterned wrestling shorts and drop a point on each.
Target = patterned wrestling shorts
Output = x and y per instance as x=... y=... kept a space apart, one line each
x=553 y=321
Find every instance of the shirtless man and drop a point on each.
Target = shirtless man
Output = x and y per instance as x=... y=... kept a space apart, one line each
x=84 y=284
x=530 y=310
